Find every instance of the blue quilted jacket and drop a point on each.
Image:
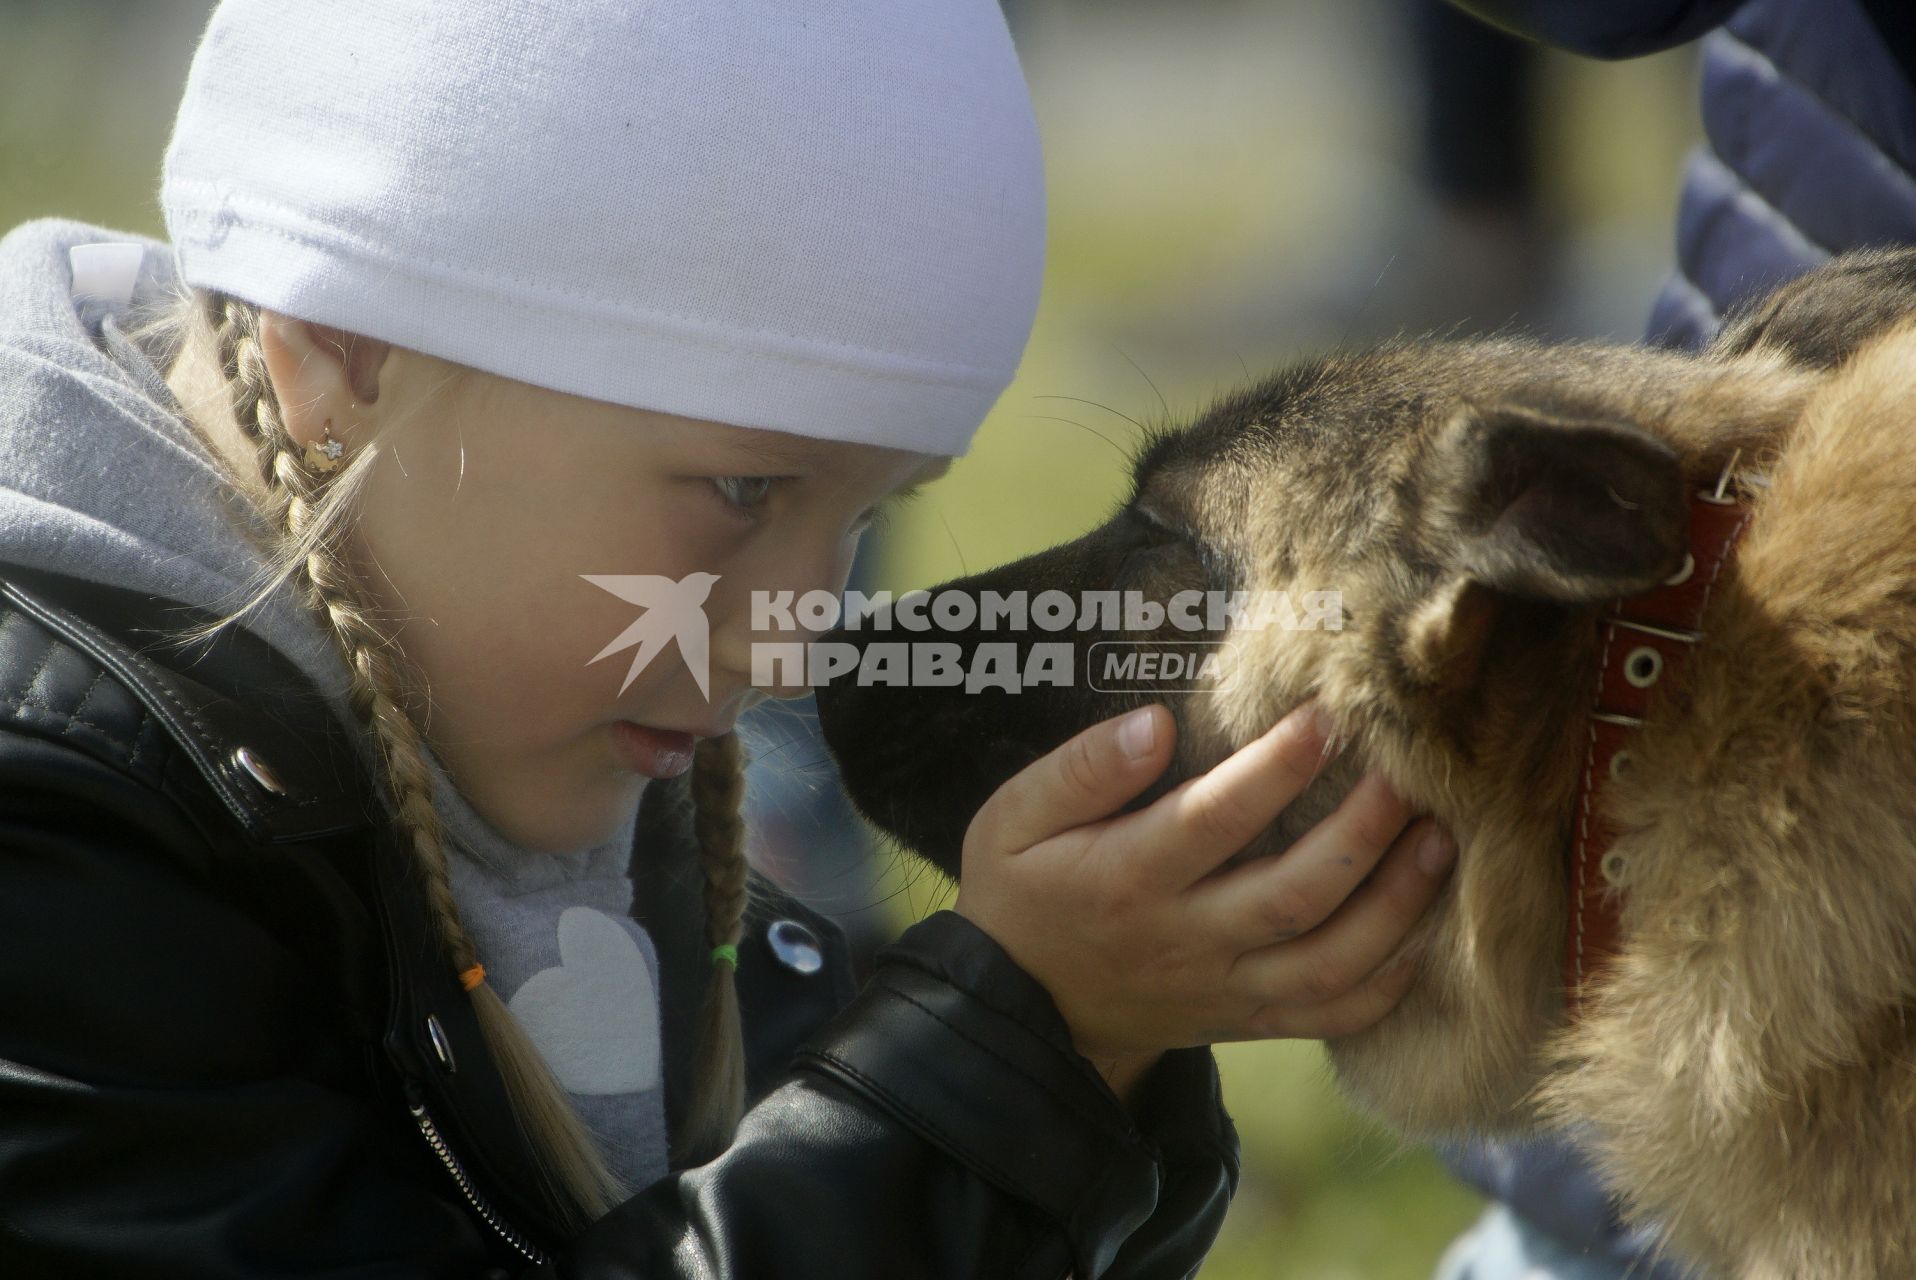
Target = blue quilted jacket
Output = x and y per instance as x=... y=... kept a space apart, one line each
x=1809 y=113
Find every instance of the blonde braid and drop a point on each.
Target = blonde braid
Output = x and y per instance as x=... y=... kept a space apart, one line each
x=718 y=1099
x=574 y=1169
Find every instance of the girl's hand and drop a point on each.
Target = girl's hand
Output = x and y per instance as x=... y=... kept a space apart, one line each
x=1144 y=945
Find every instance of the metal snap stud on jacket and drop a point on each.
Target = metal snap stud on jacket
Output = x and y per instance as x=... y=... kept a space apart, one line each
x=796 y=946
x=441 y=1046
x=257 y=769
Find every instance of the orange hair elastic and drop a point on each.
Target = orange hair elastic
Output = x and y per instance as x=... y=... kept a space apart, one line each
x=470 y=978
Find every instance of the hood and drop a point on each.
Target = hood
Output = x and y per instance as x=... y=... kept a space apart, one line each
x=101 y=477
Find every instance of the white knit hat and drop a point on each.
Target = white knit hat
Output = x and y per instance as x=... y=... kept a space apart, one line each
x=819 y=216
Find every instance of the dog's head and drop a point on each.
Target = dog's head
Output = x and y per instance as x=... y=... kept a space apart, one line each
x=1438 y=526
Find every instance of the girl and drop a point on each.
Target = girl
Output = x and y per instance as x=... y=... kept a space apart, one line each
x=321 y=947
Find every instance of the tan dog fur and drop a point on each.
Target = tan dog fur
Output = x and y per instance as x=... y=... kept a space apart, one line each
x=1744 y=1071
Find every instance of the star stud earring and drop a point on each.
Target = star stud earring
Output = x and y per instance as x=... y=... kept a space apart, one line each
x=323 y=455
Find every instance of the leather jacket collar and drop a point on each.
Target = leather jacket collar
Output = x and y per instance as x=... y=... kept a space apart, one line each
x=236 y=737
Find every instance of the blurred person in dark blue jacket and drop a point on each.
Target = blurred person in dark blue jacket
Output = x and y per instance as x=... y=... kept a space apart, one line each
x=1809 y=114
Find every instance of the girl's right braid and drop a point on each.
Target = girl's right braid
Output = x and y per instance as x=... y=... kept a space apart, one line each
x=583 y=1186
x=291 y=489
x=718 y=795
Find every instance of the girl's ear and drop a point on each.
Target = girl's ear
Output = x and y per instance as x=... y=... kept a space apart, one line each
x=320 y=373
x=360 y=356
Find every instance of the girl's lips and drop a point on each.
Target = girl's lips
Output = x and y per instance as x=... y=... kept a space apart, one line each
x=656 y=753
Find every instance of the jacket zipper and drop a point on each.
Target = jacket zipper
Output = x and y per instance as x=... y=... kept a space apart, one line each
x=483 y=1207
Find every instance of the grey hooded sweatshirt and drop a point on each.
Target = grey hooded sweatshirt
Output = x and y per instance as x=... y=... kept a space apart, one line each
x=102 y=478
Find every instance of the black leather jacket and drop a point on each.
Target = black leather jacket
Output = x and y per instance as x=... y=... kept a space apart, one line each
x=229 y=1046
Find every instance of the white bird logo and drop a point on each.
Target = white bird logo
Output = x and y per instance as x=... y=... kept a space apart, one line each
x=674 y=610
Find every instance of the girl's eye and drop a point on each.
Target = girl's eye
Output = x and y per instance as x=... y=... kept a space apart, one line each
x=744 y=492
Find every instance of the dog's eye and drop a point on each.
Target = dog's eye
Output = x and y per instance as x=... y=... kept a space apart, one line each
x=1147 y=537
x=1155 y=541
x=1155 y=531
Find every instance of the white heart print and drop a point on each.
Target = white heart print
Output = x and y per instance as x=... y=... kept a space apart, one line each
x=595 y=1015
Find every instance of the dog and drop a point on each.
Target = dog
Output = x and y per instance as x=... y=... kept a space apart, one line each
x=1741 y=1064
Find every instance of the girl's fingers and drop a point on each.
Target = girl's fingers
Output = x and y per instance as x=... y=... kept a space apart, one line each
x=1087 y=778
x=1345 y=952
x=1192 y=828
x=1346 y=1015
x=1276 y=898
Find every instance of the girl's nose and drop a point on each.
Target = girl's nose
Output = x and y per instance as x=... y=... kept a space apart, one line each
x=768 y=647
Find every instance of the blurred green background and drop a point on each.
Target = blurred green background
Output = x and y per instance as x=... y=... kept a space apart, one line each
x=1233 y=184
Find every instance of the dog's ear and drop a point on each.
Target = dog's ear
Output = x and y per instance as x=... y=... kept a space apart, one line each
x=1444 y=637
x=1538 y=510
x=1552 y=508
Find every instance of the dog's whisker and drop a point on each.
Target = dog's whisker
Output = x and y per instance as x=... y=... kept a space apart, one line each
x=1363 y=303
x=1162 y=402
x=960 y=551
x=1096 y=405
x=1048 y=417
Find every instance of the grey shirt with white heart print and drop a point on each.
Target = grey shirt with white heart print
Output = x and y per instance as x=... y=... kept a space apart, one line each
x=556 y=935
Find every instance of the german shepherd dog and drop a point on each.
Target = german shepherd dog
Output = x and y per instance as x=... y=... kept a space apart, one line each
x=1742 y=1066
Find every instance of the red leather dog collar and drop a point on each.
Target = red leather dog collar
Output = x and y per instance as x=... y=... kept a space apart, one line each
x=1645 y=643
